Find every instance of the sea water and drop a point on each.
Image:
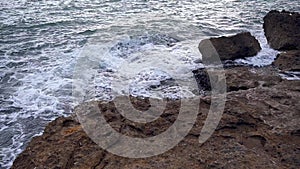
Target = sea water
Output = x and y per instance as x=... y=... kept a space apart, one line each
x=143 y=48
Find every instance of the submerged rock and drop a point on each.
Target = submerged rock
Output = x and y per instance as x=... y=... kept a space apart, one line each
x=282 y=30
x=229 y=48
x=288 y=61
x=259 y=129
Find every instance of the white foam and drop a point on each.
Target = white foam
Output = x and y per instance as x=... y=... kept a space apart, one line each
x=290 y=75
x=141 y=69
x=264 y=57
x=46 y=85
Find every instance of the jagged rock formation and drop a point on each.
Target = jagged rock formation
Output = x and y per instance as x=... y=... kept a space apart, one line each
x=229 y=48
x=259 y=129
x=282 y=30
x=260 y=126
x=288 y=61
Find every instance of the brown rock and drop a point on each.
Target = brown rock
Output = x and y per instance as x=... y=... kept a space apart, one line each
x=282 y=30
x=259 y=129
x=229 y=48
x=239 y=78
x=288 y=61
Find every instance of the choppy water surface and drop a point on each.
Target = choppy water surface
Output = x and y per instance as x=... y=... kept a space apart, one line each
x=40 y=42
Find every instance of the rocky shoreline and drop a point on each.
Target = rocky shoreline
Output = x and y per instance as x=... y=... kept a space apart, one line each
x=259 y=127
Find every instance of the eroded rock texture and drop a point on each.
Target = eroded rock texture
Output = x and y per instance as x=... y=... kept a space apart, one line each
x=229 y=48
x=288 y=61
x=259 y=129
x=282 y=30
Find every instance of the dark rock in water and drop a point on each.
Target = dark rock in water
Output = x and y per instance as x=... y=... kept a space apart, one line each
x=228 y=48
x=202 y=79
x=238 y=78
x=259 y=129
x=198 y=61
x=288 y=61
x=282 y=30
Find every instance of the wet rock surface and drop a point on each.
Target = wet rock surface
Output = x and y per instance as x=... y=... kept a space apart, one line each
x=259 y=129
x=288 y=61
x=282 y=30
x=229 y=48
x=238 y=78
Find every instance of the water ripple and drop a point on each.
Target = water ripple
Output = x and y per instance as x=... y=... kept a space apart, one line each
x=40 y=40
